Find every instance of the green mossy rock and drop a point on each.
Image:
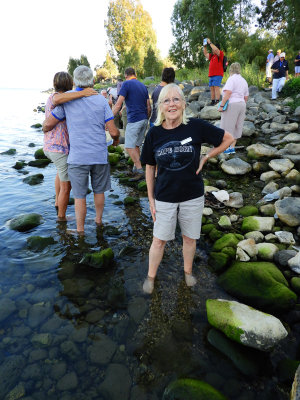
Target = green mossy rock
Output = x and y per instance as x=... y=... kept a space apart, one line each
x=207 y=228
x=230 y=251
x=10 y=152
x=101 y=259
x=206 y=182
x=19 y=165
x=295 y=284
x=247 y=211
x=239 y=236
x=118 y=149
x=39 y=243
x=25 y=222
x=191 y=389
x=40 y=163
x=71 y=201
x=218 y=261
x=261 y=224
x=228 y=240
x=118 y=203
x=142 y=186
x=286 y=370
x=203 y=220
x=111 y=149
x=36 y=126
x=39 y=154
x=259 y=284
x=31 y=145
x=224 y=222
x=246 y=360
x=216 y=174
x=215 y=234
x=128 y=201
x=113 y=158
x=34 y=179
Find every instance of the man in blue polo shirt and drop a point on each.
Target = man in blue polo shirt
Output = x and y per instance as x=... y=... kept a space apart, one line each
x=280 y=71
x=86 y=122
x=135 y=95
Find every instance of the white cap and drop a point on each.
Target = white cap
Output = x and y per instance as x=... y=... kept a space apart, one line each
x=282 y=54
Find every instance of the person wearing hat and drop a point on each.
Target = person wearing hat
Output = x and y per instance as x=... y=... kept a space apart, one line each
x=269 y=62
x=297 y=65
x=280 y=70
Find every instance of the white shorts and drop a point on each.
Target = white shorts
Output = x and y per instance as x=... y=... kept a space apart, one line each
x=297 y=70
x=189 y=214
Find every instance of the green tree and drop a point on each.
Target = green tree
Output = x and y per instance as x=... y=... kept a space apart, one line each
x=130 y=33
x=152 y=64
x=283 y=17
x=110 y=66
x=194 y=20
x=75 y=62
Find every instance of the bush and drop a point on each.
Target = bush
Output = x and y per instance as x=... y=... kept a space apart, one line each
x=291 y=87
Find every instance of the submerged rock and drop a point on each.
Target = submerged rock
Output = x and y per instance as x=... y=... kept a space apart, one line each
x=25 y=222
x=241 y=279
x=39 y=243
x=10 y=152
x=39 y=154
x=244 y=324
x=191 y=389
x=34 y=179
x=101 y=259
x=39 y=163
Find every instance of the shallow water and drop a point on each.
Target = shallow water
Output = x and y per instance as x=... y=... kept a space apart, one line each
x=71 y=331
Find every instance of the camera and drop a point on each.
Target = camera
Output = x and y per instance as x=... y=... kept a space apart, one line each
x=205 y=42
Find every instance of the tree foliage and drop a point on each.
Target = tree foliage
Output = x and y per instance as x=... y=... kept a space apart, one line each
x=75 y=62
x=130 y=33
x=152 y=64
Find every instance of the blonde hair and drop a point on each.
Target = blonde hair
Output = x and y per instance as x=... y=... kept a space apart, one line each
x=235 y=68
x=162 y=96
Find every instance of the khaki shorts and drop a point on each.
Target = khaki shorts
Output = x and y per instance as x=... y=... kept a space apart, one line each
x=135 y=133
x=60 y=161
x=189 y=214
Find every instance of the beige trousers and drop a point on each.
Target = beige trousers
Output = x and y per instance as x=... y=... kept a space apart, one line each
x=232 y=119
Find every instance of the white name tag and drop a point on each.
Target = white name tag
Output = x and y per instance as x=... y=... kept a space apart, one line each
x=185 y=141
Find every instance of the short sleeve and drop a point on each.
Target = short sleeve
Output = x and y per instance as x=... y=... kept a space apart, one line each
x=229 y=84
x=210 y=134
x=59 y=113
x=108 y=115
x=221 y=56
x=123 y=90
x=147 y=156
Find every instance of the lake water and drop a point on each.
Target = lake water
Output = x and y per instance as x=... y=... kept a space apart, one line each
x=69 y=331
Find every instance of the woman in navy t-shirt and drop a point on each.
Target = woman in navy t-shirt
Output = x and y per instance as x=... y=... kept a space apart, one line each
x=176 y=191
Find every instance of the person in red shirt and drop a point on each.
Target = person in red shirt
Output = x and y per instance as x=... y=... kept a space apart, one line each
x=215 y=71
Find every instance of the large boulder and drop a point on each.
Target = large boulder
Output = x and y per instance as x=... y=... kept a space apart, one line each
x=210 y=112
x=259 y=150
x=236 y=166
x=191 y=389
x=25 y=222
x=288 y=210
x=244 y=324
x=260 y=284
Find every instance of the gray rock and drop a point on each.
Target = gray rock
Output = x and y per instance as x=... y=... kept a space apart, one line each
x=292 y=148
x=280 y=119
x=295 y=393
x=117 y=383
x=266 y=251
x=269 y=176
x=102 y=350
x=294 y=263
x=288 y=210
x=268 y=107
x=256 y=235
x=282 y=257
x=261 y=150
x=236 y=166
x=210 y=113
x=7 y=307
x=70 y=349
x=271 y=187
x=297 y=111
x=281 y=165
x=292 y=137
x=137 y=308
x=248 y=129
x=10 y=371
x=68 y=382
x=285 y=237
x=268 y=210
x=38 y=313
x=58 y=370
x=235 y=200
x=25 y=222
x=249 y=246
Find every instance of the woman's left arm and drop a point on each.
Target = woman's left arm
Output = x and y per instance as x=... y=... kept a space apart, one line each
x=150 y=180
x=226 y=142
x=60 y=98
x=225 y=96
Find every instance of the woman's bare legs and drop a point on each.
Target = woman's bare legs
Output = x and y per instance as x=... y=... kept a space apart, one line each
x=188 y=250
x=63 y=198
x=155 y=256
x=57 y=189
x=99 y=200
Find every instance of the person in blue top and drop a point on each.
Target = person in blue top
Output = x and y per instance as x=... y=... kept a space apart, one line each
x=87 y=118
x=269 y=62
x=135 y=95
x=280 y=71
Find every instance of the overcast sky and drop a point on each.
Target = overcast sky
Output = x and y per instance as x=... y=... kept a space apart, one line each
x=37 y=38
